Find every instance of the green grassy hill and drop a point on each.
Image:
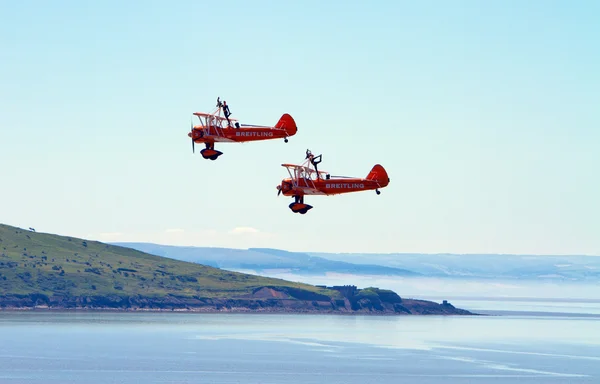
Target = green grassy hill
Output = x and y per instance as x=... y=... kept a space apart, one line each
x=46 y=270
x=48 y=264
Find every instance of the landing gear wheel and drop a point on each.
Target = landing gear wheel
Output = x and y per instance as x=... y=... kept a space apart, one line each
x=210 y=153
x=285 y=140
x=300 y=208
x=377 y=191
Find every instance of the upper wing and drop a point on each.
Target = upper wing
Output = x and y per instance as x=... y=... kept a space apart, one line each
x=222 y=118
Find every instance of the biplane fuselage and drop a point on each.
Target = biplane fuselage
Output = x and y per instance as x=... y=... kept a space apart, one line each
x=216 y=129
x=305 y=181
x=331 y=186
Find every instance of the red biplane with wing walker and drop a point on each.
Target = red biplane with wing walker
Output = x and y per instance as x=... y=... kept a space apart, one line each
x=215 y=128
x=304 y=180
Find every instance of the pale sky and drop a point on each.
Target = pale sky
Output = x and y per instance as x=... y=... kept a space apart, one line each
x=486 y=116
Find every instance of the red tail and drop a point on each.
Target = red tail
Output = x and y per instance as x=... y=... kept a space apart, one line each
x=288 y=124
x=379 y=175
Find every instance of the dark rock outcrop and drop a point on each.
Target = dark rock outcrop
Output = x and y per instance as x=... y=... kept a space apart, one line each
x=263 y=299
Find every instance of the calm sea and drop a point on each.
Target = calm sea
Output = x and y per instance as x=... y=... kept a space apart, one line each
x=234 y=348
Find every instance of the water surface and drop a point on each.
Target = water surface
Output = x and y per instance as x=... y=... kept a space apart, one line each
x=241 y=348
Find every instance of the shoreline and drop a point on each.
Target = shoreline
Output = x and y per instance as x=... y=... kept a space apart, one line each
x=262 y=300
x=282 y=311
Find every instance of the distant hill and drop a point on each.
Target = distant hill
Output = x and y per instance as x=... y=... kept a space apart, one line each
x=571 y=268
x=505 y=266
x=39 y=270
x=264 y=259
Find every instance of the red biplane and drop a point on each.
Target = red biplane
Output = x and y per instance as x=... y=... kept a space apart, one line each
x=216 y=128
x=305 y=180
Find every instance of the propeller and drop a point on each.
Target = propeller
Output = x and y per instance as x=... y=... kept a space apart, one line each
x=192 y=133
x=278 y=190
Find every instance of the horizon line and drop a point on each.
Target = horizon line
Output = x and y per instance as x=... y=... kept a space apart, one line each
x=355 y=253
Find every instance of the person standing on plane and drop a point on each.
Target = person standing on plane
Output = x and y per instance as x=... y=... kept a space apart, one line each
x=226 y=112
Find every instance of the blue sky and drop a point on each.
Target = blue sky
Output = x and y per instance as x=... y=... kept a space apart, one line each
x=485 y=115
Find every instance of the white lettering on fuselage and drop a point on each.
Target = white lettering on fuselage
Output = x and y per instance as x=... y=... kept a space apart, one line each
x=252 y=134
x=345 y=185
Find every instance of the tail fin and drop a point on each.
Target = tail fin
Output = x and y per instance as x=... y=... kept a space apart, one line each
x=287 y=123
x=379 y=174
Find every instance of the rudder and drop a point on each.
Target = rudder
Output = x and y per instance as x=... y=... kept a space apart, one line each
x=287 y=123
x=379 y=174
